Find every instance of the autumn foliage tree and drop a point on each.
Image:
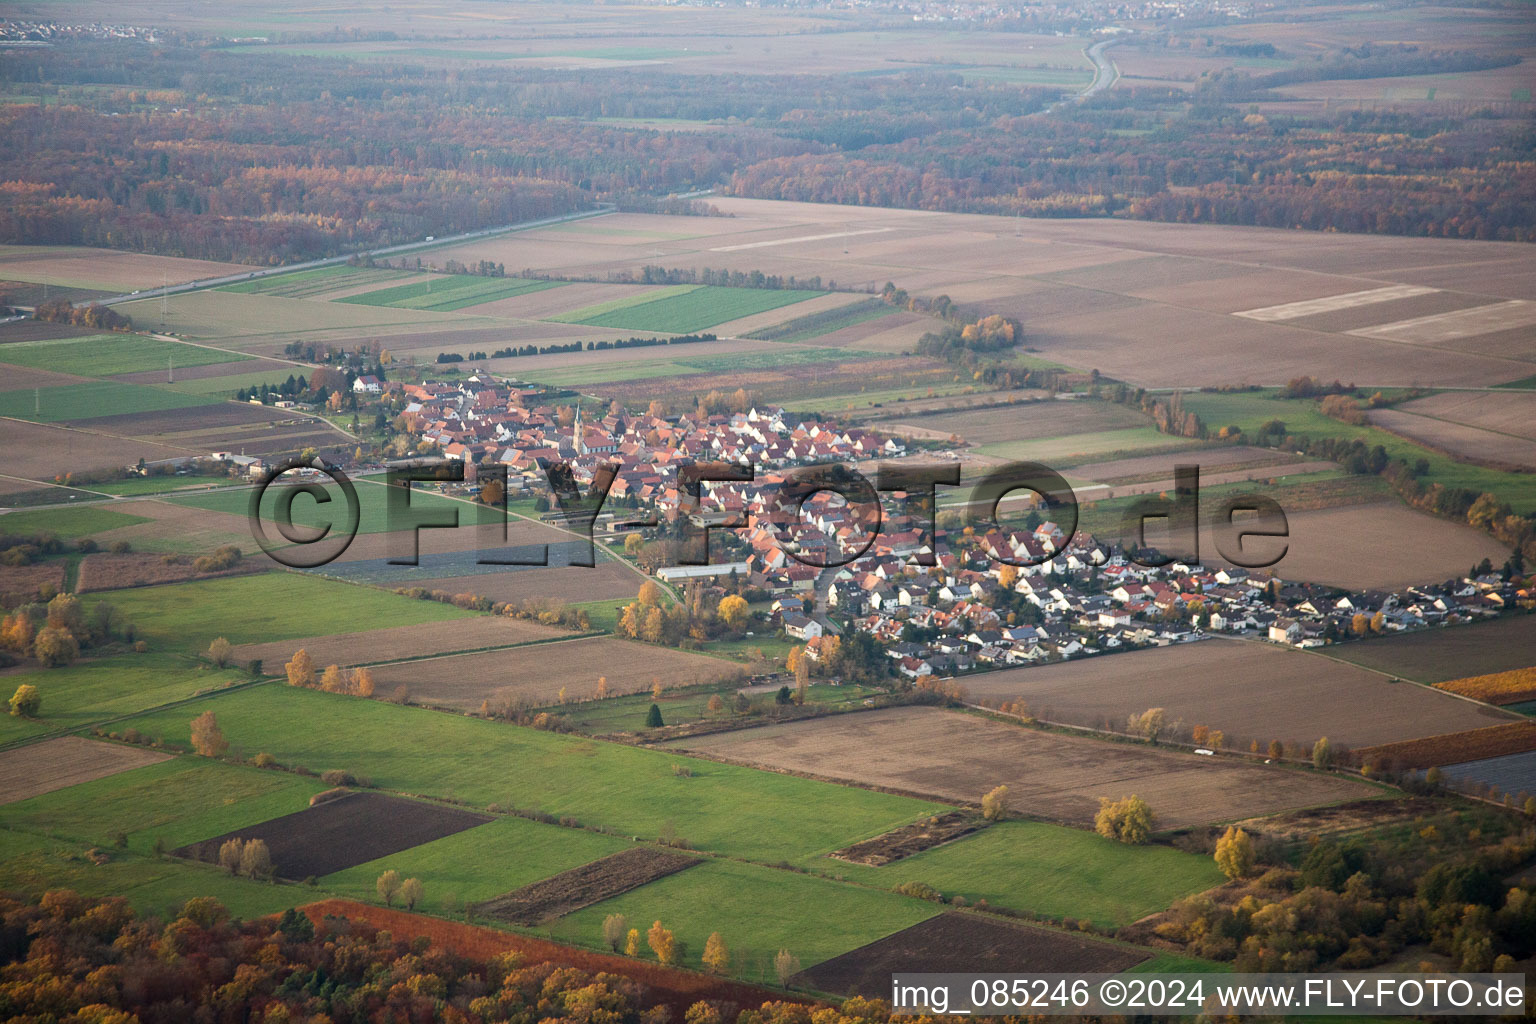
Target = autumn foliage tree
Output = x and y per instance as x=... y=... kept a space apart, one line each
x=994 y=806
x=1128 y=820
x=662 y=942
x=301 y=670
x=26 y=702
x=1234 y=853
x=207 y=738
x=716 y=957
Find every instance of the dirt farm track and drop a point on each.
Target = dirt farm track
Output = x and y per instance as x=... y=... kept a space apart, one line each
x=957 y=756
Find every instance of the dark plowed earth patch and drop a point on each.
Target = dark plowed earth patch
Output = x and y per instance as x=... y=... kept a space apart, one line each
x=343 y=833
x=581 y=887
x=963 y=943
x=911 y=839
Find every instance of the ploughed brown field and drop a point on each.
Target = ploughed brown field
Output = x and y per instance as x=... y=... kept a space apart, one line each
x=912 y=839
x=41 y=451
x=1024 y=421
x=1454 y=748
x=1379 y=545
x=1436 y=655
x=1460 y=441
x=1248 y=689
x=67 y=761
x=571 y=890
x=342 y=833
x=108 y=571
x=970 y=943
x=958 y=757
x=536 y=676
x=378 y=645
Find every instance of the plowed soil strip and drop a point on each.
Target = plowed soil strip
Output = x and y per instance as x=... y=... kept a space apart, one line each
x=910 y=840
x=581 y=887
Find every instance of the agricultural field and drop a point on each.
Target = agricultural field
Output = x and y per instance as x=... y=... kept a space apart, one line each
x=264 y=608
x=373 y=505
x=342 y=832
x=68 y=523
x=580 y=887
x=477 y=864
x=757 y=910
x=1513 y=687
x=111 y=571
x=568 y=671
x=103 y=270
x=1251 y=690
x=958 y=757
x=772 y=817
x=1510 y=773
x=1437 y=655
x=169 y=804
x=1052 y=871
x=103 y=689
x=1474 y=445
x=1455 y=747
x=448 y=294
x=686 y=309
x=67 y=761
x=373 y=646
x=108 y=355
x=308 y=284
x=960 y=942
x=1016 y=422
x=93 y=400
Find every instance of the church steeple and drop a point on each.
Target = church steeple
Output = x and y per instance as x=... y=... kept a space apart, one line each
x=578 y=435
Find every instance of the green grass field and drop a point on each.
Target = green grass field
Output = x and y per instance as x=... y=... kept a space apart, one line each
x=814 y=325
x=226 y=386
x=67 y=523
x=1250 y=409
x=176 y=802
x=476 y=864
x=721 y=808
x=99 y=689
x=639 y=297
x=682 y=312
x=449 y=292
x=303 y=284
x=1052 y=870
x=254 y=609
x=32 y=863
x=627 y=714
x=92 y=399
x=102 y=355
x=372 y=502
x=757 y=911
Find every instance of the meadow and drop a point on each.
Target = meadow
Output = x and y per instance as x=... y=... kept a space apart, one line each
x=1052 y=871
x=255 y=609
x=479 y=863
x=1249 y=410
x=93 y=399
x=68 y=523
x=104 y=355
x=757 y=910
x=372 y=500
x=446 y=294
x=693 y=309
x=718 y=808
x=814 y=325
x=305 y=284
x=99 y=689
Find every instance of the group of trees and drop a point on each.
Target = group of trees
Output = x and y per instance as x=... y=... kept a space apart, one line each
x=390 y=886
x=93 y=315
x=56 y=633
x=301 y=672
x=1361 y=902
x=1127 y=820
x=248 y=857
x=74 y=958
x=698 y=617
